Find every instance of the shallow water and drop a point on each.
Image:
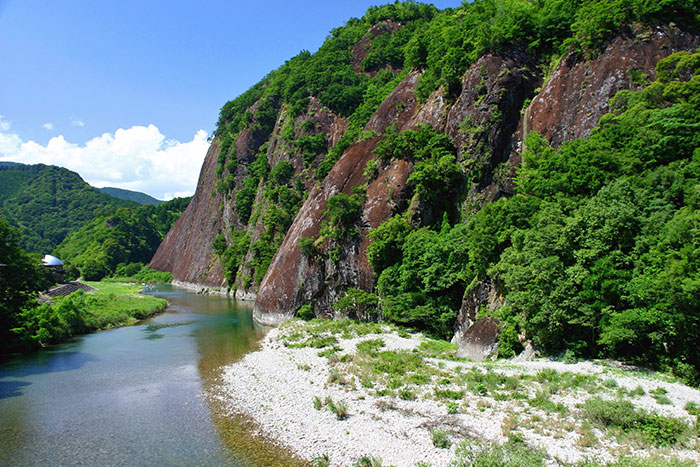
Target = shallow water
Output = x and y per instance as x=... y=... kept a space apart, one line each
x=129 y=396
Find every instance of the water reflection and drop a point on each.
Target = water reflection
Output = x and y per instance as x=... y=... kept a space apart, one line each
x=12 y=388
x=46 y=361
x=134 y=395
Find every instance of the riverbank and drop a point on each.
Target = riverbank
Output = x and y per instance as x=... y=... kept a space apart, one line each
x=238 y=294
x=341 y=392
x=114 y=304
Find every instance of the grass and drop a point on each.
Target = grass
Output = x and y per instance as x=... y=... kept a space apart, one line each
x=115 y=303
x=514 y=453
x=368 y=461
x=339 y=408
x=658 y=430
x=440 y=438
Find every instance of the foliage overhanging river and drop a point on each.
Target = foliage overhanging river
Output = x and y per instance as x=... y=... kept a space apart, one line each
x=134 y=395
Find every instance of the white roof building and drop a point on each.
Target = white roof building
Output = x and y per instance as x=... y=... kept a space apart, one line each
x=51 y=261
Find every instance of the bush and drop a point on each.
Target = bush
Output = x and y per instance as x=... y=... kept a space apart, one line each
x=306 y=312
x=358 y=304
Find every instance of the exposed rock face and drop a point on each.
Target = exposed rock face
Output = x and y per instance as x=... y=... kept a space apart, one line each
x=485 y=116
x=293 y=279
x=480 y=341
x=186 y=250
x=485 y=294
x=577 y=93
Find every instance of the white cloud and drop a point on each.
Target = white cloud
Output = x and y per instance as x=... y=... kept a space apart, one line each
x=47 y=126
x=138 y=158
x=4 y=124
x=77 y=123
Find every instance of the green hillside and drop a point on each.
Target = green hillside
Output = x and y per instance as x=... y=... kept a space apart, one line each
x=46 y=203
x=128 y=195
x=109 y=242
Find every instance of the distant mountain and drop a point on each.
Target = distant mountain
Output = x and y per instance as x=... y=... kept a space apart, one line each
x=46 y=203
x=9 y=164
x=128 y=195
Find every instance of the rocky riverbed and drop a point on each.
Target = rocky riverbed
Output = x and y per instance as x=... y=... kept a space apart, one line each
x=343 y=393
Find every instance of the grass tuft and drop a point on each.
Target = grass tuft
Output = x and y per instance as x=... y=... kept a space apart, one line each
x=440 y=438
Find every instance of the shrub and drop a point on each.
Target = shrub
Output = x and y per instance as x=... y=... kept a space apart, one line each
x=306 y=312
x=358 y=304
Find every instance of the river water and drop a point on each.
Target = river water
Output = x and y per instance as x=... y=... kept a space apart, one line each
x=134 y=395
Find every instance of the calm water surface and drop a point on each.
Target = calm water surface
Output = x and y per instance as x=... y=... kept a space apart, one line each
x=130 y=396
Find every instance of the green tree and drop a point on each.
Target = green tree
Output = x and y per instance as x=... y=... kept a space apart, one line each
x=20 y=281
x=358 y=304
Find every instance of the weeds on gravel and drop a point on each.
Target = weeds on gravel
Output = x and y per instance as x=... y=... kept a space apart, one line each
x=321 y=461
x=452 y=407
x=407 y=395
x=432 y=348
x=586 y=437
x=339 y=408
x=514 y=453
x=638 y=391
x=692 y=408
x=440 y=438
x=622 y=415
x=336 y=377
x=642 y=462
x=660 y=395
x=370 y=346
x=448 y=394
x=543 y=401
x=368 y=461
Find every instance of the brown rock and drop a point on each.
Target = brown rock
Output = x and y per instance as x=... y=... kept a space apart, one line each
x=577 y=93
x=186 y=250
x=480 y=341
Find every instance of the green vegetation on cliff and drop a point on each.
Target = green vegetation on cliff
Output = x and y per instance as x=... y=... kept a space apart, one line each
x=594 y=249
x=597 y=252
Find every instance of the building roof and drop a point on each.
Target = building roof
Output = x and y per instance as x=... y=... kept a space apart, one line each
x=51 y=261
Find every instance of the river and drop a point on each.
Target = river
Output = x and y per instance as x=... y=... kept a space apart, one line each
x=134 y=395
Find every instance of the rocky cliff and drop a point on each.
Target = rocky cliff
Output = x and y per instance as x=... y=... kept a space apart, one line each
x=186 y=249
x=502 y=97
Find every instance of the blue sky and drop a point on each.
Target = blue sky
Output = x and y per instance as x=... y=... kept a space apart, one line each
x=117 y=89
